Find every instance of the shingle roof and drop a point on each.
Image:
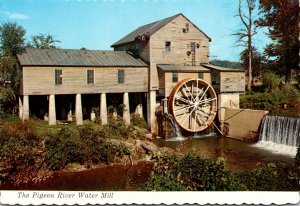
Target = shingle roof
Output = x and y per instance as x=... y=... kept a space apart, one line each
x=222 y=69
x=73 y=57
x=148 y=30
x=182 y=68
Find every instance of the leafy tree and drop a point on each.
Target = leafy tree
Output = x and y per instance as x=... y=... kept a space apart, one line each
x=9 y=72
x=246 y=33
x=43 y=41
x=282 y=20
x=12 y=42
x=11 y=39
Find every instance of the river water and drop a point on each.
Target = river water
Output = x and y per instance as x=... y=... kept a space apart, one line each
x=238 y=154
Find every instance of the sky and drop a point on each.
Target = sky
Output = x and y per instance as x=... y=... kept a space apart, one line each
x=97 y=24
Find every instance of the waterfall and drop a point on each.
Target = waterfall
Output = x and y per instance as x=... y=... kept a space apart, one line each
x=280 y=134
x=177 y=131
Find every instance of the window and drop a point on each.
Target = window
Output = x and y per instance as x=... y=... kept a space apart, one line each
x=200 y=75
x=187 y=27
x=193 y=46
x=90 y=76
x=174 y=77
x=58 y=76
x=167 y=46
x=121 y=76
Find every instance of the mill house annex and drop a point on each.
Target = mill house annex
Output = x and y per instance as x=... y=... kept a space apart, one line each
x=142 y=70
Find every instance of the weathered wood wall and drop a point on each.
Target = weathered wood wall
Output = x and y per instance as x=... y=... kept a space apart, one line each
x=41 y=80
x=180 y=44
x=232 y=82
x=169 y=85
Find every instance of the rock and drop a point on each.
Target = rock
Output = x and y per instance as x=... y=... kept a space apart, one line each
x=149 y=136
x=149 y=146
x=137 y=143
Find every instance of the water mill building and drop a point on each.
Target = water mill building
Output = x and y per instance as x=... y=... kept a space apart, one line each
x=141 y=72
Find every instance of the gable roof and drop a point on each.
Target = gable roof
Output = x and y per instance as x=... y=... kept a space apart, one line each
x=73 y=57
x=150 y=29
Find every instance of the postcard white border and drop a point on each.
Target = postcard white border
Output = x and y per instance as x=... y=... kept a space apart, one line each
x=112 y=197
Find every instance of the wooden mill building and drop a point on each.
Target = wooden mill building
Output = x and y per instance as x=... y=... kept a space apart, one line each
x=143 y=68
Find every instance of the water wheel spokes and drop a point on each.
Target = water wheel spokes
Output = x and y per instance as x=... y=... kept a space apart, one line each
x=193 y=104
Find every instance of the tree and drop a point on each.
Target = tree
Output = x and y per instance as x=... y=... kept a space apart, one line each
x=11 y=39
x=43 y=41
x=246 y=33
x=282 y=20
x=256 y=62
x=11 y=43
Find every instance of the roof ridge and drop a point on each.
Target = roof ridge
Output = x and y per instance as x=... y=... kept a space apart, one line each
x=145 y=28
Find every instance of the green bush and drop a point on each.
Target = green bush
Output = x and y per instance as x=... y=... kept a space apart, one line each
x=116 y=129
x=291 y=93
x=270 y=81
x=192 y=173
x=63 y=148
x=263 y=100
x=20 y=149
x=83 y=145
x=138 y=121
x=270 y=178
x=7 y=102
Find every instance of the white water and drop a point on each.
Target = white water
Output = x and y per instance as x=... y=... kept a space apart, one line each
x=176 y=126
x=280 y=134
x=277 y=148
x=176 y=139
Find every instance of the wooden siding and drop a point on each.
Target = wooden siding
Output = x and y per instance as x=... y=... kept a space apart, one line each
x=41 y=80
x=169 y=85
x=232 y=82
x=173 y=32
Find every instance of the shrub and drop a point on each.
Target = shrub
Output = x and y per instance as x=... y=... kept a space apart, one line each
x=20 y=150
x=270 y=81
x=7 y=103
x=138 y=121
x=291 y=93
x=270 y=178
x=63 y=148
x=262 y=100
x=192 y=173
x=116 y=129
x=83 y=145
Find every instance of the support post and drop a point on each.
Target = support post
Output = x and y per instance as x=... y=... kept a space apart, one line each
x=25 y=107
x=20 y=108
x=151 y=104
x=78 y=110
x=103 y=109
x=52 y=110
x=139 y=110
x=126 y=110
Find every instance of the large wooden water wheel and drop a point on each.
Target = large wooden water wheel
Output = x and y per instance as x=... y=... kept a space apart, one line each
x=193 y=104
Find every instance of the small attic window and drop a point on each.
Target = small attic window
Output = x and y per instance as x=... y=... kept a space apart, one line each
x=167 y=46
x=187 y=27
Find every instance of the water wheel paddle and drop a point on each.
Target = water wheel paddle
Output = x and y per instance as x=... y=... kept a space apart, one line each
x=193 y=104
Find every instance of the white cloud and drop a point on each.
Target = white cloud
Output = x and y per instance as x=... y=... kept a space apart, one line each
x=14 y=15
